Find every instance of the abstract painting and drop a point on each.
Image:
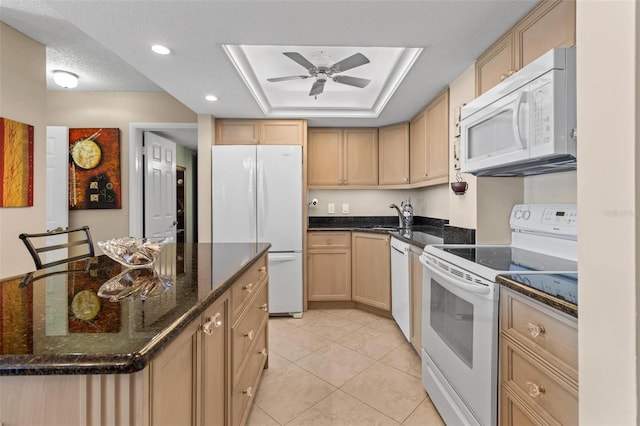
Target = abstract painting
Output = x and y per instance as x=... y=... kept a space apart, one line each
x=16 y=164
x=94 y=169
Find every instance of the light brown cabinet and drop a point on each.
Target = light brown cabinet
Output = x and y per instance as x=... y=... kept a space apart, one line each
x=328 y=266
x=551 y=24
x=538 y=363
x=249 y=337
x=189 y=378
x=393 y=154
x=255 y=132
x=429 y=143
x=416 y=298
x=339 y=157
x=371 y=269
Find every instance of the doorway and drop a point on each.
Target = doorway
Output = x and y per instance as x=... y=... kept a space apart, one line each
x=182 y=132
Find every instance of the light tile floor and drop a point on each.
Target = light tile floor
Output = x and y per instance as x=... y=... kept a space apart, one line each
x=341 y=367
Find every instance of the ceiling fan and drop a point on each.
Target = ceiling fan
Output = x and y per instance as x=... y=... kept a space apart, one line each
x=322 y=73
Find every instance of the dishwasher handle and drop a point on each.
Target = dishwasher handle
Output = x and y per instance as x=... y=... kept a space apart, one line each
x=404 y=253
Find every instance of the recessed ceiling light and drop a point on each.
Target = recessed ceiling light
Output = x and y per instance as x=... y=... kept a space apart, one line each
x=211 y=98
x=160 y=49
x=65 y=79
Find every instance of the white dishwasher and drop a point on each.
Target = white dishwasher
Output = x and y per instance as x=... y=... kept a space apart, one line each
x=400 y=283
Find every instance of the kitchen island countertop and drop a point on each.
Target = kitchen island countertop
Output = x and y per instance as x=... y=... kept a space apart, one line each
x=58 y=325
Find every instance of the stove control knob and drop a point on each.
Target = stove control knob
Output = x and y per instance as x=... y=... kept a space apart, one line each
x=526 y=214
x=518 y=214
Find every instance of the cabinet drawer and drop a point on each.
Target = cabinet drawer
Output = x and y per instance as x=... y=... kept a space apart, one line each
x=245 y=386
x=514 y=412
x=328 y=239
x=538 y=386
x=247 y=285
x=552 y=335
x=245 y=332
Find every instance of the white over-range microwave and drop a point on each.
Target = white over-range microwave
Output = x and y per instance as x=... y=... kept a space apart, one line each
x=525 y=125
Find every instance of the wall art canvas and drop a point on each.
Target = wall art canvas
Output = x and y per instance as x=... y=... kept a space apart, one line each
x=16 y=164
x=94 y=169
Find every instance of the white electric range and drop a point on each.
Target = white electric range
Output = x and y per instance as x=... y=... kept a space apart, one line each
x=460 y=305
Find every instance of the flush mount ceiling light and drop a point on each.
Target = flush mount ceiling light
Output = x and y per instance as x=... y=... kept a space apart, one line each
x=65 y=79
x=211 y=98
x=160 y=49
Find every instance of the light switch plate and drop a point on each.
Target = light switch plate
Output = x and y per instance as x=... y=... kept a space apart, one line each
x=331 y=208
x=345 y=208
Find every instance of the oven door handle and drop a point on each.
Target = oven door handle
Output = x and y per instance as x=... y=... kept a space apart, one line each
x=481 y=289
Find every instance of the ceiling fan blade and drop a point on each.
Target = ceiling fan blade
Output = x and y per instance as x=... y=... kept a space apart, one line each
x=295 y=56
x=352 y=61
x=351 y=81
x=293 y=77
x=317 y=88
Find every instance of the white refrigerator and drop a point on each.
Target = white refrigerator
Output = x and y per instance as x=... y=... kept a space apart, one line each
x=257 y=197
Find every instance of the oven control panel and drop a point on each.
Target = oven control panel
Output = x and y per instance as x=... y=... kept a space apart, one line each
x=557 y=219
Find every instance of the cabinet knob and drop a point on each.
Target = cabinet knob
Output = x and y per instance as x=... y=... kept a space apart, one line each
x=328 y=241
x=263 y=352
x=212 y=323
x=250 y=335
x=248 y=288
x=248 y=391
x=534 y=390
x=406 y=180
x=262 y=270
x=502 y=77
x=264 y=307
x=535 y=329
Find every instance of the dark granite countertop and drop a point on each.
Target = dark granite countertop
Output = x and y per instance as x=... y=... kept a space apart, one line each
x=44 y=330
x=420 y=234
x=559 y=291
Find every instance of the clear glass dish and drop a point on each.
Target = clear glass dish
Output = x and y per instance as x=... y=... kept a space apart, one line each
x=134 y=252
x=133 y=283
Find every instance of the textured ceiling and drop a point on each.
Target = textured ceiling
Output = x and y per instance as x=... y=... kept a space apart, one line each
x=107 y=43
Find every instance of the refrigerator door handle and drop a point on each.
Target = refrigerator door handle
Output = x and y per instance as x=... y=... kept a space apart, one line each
x=252 y=194
x=281 y=257
x=262 y=196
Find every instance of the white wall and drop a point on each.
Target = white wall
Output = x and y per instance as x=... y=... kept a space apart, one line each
x=428 y=202
x=206 y=138
x=23 y=99
x=608 y=104
x=551 y=188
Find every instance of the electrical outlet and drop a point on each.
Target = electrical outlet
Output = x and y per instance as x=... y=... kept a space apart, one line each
x=331 y=208
x=345 y=208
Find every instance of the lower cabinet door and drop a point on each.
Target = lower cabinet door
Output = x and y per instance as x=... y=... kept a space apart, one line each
x=174 y=380
x=215 y=357
x=371 y=269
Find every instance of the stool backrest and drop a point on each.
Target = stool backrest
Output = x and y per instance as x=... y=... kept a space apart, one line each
x=78 y=245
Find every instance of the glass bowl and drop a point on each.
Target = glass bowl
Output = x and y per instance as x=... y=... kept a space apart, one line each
x=133 y=283
x=134 y=252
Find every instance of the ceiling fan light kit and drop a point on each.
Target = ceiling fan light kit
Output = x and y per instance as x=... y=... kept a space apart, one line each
x=323 y=73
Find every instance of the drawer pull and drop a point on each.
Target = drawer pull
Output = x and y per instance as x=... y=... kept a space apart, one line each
x=263 y=352
x=262 y=270
x=250 y=335
x=264 y=307
x=248 y=391
x=328 y=241
x=534 y=390
x=212 y=323
x=535 y=330
x=248 y=288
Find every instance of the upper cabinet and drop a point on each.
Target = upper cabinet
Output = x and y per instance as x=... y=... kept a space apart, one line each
x=551 y=24
x=342 y=157
x=393 y=154
x=429 y=143
x=255 y=132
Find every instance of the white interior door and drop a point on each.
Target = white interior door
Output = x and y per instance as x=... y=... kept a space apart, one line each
x=57 y=216
x=57 y=185
x=159 y=187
